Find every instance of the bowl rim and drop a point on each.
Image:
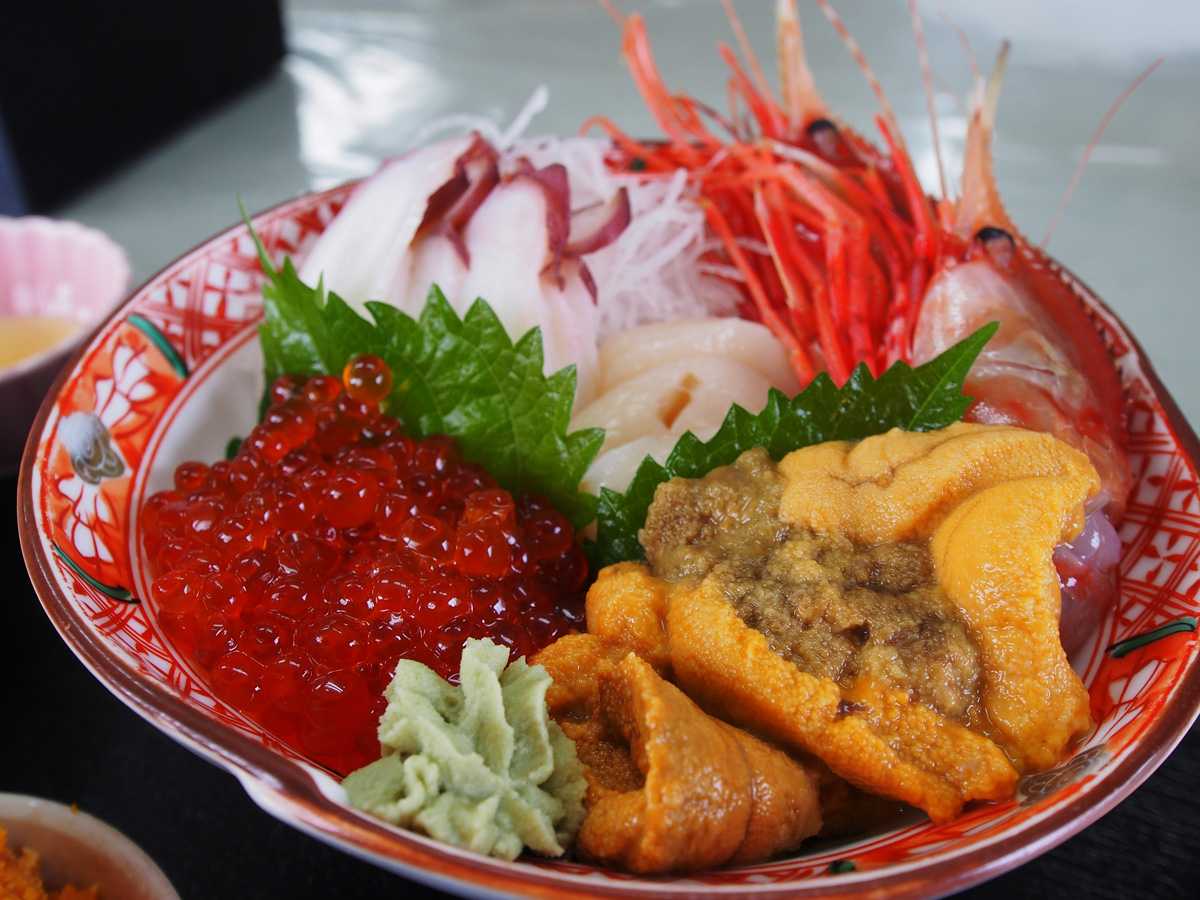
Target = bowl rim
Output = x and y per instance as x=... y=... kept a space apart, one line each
x=295 y=793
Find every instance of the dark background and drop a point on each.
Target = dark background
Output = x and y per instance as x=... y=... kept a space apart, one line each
x=86 y=86
x=66 y=738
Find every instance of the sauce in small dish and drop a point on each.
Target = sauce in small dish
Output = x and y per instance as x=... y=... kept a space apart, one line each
x=23 y=337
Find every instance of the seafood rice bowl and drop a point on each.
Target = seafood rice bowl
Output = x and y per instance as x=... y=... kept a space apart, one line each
x=602 y=514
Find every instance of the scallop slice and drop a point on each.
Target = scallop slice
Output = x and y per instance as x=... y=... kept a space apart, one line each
x=630 y=353
x=691 y=394
x=614 y=469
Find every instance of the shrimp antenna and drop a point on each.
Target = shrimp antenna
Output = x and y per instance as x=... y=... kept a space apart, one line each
x=948 y=91
x=1087 y=153
x=927 y=78
x=855 y=51
x=610 y=8
x=798 y=85
x=747 y=51
x=978 y=182
x=990 y=98
x=972 y=63
x=972 y=60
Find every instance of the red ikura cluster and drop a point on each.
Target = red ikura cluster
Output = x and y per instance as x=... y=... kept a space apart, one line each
x=299 y=572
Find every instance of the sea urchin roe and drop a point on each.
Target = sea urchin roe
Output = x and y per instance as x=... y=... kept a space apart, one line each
x=834 y=608
x=297 y=573
x=993 y=502
x=849 y=611
x=711 y=794
x=990 y=503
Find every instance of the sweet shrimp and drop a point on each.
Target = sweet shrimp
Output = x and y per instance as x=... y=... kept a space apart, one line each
x=841 y=252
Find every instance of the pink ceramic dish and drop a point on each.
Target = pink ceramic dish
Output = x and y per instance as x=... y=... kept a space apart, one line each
x=176 y=372
x=56 y=269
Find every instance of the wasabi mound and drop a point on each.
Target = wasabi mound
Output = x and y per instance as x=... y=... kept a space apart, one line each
x=479 y=765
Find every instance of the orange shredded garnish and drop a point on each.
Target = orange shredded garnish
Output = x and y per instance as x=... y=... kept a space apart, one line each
x=20 y=878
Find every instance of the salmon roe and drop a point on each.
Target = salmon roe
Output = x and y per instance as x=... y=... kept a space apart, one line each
x=332 y=545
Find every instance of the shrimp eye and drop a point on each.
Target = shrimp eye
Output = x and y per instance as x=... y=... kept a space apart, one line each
x=825 y=135
x=998 y=244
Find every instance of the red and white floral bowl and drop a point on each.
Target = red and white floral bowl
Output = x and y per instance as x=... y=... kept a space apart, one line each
x=175 y=372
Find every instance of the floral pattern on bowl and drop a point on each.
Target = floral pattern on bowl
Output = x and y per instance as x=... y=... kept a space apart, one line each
x=175 y=374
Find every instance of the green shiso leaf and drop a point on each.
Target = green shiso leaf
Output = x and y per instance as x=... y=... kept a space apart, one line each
x=463 y=377
x=921 y=399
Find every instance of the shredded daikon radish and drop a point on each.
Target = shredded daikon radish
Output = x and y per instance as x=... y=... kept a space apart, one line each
x=652 y=272
x=489 y=129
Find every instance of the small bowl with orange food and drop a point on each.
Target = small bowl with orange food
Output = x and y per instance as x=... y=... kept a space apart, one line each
x=58 y=280
x=54 y=851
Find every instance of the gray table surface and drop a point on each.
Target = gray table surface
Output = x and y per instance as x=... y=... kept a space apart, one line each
x=362 y=78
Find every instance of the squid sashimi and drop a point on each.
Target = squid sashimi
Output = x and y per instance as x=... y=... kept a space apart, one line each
x=636 y=350
x=361 y=248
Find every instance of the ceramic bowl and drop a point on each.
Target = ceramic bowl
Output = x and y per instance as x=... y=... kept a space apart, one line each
x=78 y=849
x=61 y=270
x=176 y=371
